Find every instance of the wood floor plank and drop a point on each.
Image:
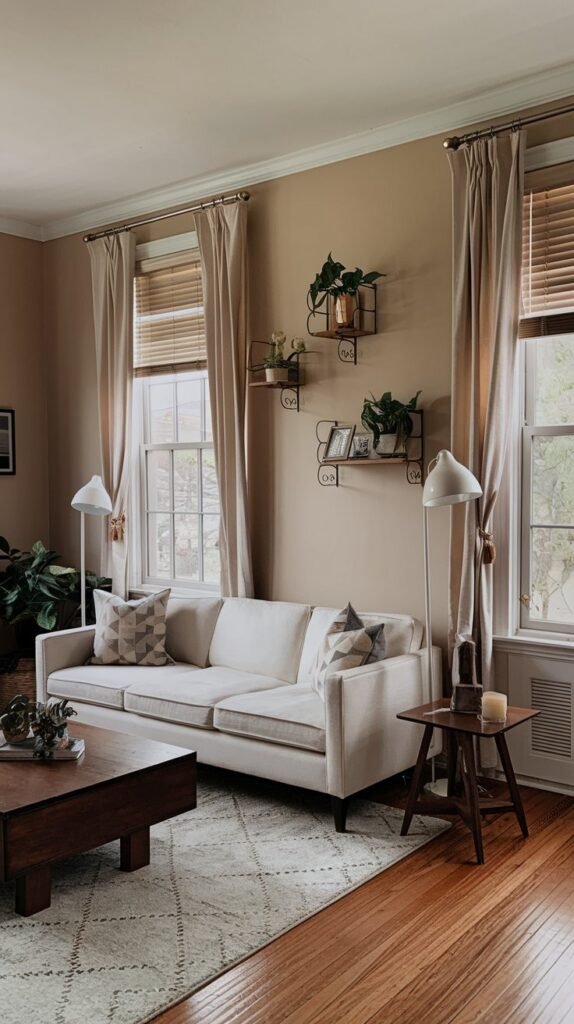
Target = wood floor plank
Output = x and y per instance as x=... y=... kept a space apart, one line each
x=434 y=938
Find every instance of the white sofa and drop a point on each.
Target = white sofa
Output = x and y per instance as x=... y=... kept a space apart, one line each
x=239 y=694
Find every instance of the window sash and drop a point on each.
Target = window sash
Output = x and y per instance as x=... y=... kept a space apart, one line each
x=530 y=431
x=144 y=509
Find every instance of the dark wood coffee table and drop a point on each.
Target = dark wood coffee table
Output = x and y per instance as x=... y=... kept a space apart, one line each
x=460 y=732
x=50 y=810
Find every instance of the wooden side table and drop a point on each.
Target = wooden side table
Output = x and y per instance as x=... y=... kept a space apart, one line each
x=460 y=732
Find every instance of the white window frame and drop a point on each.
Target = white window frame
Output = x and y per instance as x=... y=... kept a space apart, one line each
x=528 y=625
x=141 y=580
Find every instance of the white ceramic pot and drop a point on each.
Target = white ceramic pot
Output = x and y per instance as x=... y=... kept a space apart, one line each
x=388 y=445
x=275 y=373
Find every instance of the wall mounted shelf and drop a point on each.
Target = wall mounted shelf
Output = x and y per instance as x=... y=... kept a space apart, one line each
x=412 y=460
x=364 y=323
x=288 y=388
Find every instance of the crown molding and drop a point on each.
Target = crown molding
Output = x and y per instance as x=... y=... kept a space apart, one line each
x=9 y=226
x=518 y=95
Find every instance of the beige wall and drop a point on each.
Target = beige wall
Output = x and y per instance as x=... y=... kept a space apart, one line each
x=388 y=211
x=24 y=496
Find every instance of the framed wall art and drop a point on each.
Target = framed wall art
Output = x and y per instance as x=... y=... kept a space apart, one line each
x=7 y=443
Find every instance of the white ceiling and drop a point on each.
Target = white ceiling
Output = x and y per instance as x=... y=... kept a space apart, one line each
x=103 y=99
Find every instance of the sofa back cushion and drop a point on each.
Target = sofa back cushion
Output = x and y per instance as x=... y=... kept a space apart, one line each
x=264 y=637
x=190 y=624
x=403 y=634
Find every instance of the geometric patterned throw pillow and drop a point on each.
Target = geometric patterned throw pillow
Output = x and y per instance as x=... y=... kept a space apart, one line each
x=130 y=632
x=339 y=651
x=354 y=621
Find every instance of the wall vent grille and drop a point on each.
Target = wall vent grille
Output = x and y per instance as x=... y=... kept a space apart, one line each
x=552 y=729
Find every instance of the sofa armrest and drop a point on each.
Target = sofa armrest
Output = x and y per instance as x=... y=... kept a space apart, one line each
x=63 y=649
x=365 y=742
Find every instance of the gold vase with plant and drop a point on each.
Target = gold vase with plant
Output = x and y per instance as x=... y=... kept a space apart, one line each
x=342 y=286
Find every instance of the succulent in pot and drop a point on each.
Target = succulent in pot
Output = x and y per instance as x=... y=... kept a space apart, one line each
x=15 y=719
x=343 y=286
x=49 y=724
x=390 y=422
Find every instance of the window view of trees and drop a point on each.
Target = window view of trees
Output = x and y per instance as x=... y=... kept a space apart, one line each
x=551 y=416
x=182 y=498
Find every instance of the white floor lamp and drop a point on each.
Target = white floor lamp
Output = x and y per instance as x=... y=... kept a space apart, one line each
x=93 y=500
x=448 y=483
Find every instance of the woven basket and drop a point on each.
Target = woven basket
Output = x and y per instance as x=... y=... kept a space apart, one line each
x=22 y=679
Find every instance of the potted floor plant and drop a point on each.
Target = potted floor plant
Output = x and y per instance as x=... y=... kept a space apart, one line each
x=279 y=367
x=390 y=422
x=342 y=285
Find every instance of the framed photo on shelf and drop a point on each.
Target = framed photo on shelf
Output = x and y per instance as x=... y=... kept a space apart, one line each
x=7 y=443
x=361 y=446
x=338 y=443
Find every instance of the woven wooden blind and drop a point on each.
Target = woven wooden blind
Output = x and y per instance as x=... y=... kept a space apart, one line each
x=548 y=262
x=169 y=323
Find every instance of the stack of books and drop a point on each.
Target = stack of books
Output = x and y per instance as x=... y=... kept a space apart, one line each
x=71 y=750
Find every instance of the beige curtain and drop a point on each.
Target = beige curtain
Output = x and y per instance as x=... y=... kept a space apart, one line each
x=487 y=222
x=221 y=233
x=113 y=266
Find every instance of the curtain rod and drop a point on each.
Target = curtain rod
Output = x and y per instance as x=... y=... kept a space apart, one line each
x=235 y=197
x=459 y=140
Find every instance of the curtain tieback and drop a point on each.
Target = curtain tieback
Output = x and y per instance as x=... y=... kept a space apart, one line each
x=488 y=546
x=118 y=527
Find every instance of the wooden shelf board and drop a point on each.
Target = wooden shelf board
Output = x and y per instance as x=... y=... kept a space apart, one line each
x=388 y=460
x=343 y=334
x=274 y=384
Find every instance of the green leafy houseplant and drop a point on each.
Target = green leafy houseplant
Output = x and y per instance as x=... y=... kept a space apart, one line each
x=15 y=719
x=36 y=591
x=49 y=724
x=335 y=280
x=386 y=415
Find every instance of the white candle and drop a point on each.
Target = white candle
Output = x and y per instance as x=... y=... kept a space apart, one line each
x=494 y=706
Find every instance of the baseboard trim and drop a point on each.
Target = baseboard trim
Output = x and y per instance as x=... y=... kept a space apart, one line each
x=549 y=786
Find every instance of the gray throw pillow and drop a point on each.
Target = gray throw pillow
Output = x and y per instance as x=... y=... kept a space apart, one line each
x=377 y=632
x=130 y=632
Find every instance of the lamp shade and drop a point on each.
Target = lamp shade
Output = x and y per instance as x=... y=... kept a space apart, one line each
x=93 y=499
x=449 y=482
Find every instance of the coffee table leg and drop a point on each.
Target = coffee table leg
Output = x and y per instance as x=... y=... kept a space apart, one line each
x=33 y=891
x=416 y=779
x=471 y=792
x=134 y=850
x=504 y=754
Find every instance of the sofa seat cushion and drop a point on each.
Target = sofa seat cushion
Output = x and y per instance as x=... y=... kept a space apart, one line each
x=293 y=716
x=190 y=700
x=105 y=684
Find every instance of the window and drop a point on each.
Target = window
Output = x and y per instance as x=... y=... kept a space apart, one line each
x=547 y=545
x=179 y=499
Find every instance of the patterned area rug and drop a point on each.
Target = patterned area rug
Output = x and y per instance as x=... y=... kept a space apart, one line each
x=224 y=880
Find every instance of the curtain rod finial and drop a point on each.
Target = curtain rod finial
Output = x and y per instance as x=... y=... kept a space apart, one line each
x=244 y=195
x=452 y=143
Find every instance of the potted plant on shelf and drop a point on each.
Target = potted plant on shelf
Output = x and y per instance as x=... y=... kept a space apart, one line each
x=279 y=367
x=390 y=422
x=342 y=285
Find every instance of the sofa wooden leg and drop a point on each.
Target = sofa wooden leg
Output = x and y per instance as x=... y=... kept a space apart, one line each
x=339 y=809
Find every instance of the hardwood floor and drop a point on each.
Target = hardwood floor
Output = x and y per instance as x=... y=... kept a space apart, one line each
x=435 y=939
